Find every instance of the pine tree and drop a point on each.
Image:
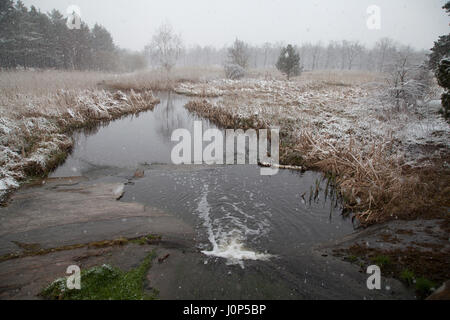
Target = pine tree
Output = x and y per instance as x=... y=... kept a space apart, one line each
x=82 y=51
x=31 y=39
x=7 y=26
x=443 y=77
x=440 y=63
x=289 y=62
x=104 y=52
x=441 y=47
x=58 y=36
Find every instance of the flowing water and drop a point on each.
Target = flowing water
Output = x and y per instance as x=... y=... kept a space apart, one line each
x=262 y=225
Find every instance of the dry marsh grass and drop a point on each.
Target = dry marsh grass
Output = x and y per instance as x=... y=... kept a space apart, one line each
x=45 y=82
x=377 y=185
x=159 y=80
x=331 y=77
x=342 y=77
x=385 y=167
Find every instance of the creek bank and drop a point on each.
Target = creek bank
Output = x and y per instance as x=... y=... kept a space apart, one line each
x=414 y=252
x=37 y=139
x=182 y=271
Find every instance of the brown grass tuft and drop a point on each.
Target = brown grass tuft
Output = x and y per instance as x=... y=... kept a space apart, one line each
x=379 y=187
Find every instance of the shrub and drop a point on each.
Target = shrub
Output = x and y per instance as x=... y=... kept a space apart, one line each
x=234 y=71
x=424 y=287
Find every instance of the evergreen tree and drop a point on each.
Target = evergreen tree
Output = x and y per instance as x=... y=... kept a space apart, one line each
x=82 y=51
x=7 y=27
x=289 y=62
x=440 y=63
x=104 y=51
x=441 y=47
x=443 y=77
x=59 y=40
x=31 y=39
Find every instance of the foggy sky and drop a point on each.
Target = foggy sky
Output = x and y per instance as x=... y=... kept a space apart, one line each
x=212 y=22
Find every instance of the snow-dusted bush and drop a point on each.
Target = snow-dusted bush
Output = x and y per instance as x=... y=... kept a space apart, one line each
x=408 y=83
x=239 y=54
x=234 y=71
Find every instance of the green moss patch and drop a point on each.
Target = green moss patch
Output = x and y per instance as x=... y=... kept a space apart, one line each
x=105 y=283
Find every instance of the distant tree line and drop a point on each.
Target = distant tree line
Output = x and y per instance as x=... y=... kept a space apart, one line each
x=31 y=39
x=336 y=55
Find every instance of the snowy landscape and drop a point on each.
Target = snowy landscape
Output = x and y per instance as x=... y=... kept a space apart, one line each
x=87 y=180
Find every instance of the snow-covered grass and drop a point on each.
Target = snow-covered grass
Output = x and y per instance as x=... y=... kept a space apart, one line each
x=38 y=111
x=387 y=163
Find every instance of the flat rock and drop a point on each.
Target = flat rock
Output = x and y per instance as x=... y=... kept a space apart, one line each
x=65 y=212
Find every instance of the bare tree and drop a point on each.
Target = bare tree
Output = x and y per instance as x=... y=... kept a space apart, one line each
x=352 y=49
x=238 y=54
x=409 y=80
x=316 y=55
x=330 y=55
x=384 y=48
x=266 y=48
x=166 y=47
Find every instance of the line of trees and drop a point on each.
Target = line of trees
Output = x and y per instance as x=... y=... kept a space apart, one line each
x=336 y=55
x=31 y=39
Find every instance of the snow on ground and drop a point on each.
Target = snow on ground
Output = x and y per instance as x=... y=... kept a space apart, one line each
x=335 y=112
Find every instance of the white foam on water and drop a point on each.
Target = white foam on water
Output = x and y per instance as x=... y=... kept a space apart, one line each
x=235 y=253
x=227 y=245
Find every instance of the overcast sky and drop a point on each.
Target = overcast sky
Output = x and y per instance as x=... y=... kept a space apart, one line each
x=212 y=22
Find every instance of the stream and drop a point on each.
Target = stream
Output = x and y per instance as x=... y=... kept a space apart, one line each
x=254 y=234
